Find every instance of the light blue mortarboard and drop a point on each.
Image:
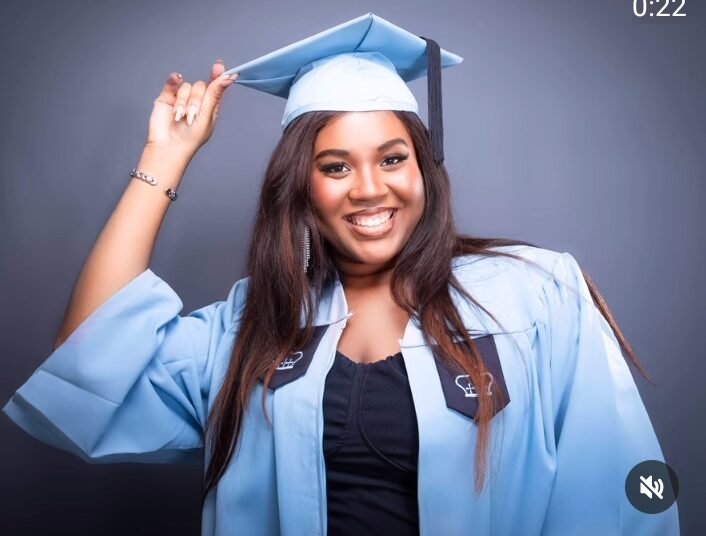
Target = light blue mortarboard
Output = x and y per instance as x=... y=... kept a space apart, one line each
x=363 y=64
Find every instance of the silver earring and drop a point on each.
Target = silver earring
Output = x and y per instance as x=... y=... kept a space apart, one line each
x=306 y=247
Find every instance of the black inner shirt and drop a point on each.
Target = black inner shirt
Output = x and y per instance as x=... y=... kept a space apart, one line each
x=371 y=448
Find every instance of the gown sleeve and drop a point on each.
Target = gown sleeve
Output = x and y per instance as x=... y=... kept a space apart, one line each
x=131 y=383
x=601 y=429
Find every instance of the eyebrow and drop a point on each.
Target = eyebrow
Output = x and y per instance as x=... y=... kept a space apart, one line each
x=343 y=152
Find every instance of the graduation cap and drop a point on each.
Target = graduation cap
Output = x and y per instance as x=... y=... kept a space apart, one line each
x=360 y=65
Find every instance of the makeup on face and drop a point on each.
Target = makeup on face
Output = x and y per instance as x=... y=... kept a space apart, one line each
x=369 y=195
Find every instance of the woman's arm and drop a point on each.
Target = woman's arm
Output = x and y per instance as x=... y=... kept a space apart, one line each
x=130 y=378
x=124 y=246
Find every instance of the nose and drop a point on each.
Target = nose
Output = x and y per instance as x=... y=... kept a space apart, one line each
x=369 y=184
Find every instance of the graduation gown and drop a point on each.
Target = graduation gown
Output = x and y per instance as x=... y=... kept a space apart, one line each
x=134 y=383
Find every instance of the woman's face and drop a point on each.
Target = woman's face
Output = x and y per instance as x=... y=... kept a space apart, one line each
x=367 y=189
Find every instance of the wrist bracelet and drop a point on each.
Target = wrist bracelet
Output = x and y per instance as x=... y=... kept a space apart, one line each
x=149 y=179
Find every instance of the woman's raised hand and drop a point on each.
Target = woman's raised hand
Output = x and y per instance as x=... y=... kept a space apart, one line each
x=184 y=114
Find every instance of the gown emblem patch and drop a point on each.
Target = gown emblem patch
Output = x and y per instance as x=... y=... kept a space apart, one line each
x=460 y=394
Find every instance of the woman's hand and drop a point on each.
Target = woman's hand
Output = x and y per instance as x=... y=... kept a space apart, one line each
x=184 y=114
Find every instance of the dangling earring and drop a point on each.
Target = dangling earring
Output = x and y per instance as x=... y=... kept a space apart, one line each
x=306 y=247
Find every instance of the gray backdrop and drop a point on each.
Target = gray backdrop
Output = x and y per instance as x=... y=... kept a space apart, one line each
x=570 y=124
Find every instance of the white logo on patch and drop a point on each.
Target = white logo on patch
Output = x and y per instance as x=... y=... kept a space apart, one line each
x=469 y=390
x=290 y=361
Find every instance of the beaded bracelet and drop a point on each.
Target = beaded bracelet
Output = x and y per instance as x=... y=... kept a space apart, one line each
x=149 y=179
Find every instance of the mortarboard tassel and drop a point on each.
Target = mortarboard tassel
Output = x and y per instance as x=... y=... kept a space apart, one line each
x=436 y=123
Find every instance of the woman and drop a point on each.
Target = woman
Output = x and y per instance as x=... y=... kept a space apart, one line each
x=376 y=372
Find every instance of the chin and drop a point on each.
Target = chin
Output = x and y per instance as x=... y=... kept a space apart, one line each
x=370 y=257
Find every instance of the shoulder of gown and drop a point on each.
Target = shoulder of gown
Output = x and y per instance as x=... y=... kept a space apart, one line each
x=509 y=288
x=587 y=408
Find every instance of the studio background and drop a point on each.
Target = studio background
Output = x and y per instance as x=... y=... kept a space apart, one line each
x=572 y=125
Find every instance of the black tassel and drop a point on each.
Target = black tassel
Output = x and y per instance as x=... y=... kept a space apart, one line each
x=435 y=110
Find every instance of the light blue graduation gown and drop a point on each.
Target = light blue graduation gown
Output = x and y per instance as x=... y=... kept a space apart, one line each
x=134 y=383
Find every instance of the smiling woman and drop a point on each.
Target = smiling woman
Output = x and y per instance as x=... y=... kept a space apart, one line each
x=353 y=389
x=367 y=189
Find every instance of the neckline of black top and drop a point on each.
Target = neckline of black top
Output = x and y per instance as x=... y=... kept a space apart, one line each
x=349 y=361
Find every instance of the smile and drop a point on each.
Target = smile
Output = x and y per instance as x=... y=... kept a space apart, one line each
x=372 y=226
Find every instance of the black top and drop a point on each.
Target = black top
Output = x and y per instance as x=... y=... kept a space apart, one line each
x=370 y=447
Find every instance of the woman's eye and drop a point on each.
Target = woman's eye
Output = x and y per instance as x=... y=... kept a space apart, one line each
x=333 y=168
x=397 y=158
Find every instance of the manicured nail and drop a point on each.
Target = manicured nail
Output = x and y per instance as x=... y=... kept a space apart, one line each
x=191 y=113
x=178 y=113
x=227 y=80
x=219 y=61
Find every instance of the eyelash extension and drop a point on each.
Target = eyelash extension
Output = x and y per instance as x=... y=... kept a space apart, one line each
x=399 y=157
x=328 y=168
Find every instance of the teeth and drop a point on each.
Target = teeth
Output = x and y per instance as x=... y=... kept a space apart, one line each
x=371 y=221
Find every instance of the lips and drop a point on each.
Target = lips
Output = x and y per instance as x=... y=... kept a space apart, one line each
x=367 y=219
x=373 y=231
x=369 y=211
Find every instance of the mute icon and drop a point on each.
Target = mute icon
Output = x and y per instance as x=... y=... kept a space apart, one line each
x=652 y=486
x=648 y=488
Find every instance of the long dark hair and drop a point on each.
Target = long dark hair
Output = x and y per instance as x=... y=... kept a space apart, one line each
x=278 y=288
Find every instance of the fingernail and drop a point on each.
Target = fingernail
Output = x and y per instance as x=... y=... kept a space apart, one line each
x=226 y=83
x=179 y=76
x=178 y=112
x=191 y=113
x=219 y=61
